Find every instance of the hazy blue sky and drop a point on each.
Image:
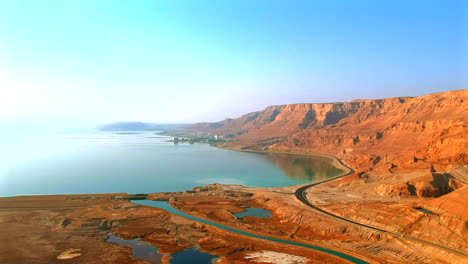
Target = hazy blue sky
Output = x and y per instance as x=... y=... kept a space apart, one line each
x=89 y=62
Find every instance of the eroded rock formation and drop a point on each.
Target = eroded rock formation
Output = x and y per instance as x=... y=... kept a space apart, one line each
x=386 y=135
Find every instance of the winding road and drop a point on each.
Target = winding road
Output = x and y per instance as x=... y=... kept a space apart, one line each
x=167 y=206
x=301 y=195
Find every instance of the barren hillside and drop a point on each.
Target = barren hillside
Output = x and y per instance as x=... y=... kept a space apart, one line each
x=426 y=132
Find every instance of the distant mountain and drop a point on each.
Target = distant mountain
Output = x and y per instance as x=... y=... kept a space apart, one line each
x=387 y=134
x=132 y=126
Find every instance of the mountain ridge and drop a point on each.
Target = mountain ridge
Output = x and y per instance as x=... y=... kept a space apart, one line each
x=424 y=132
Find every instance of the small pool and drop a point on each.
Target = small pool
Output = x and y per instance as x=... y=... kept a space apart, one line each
x=253 y=211
x=166 y=206
x=145 y=251
x=192 y=256
x=424 y=210
x=141 y=249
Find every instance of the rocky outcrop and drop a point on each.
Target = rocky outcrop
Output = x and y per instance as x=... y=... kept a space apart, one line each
x=69 y=254
x=281 y=120
x=401 y=189
x=435 y=184
x=425 y=205
x=420 y=184
x=386 y=135
x=358 y=177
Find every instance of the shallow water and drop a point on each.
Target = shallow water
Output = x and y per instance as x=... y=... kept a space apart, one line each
x=144 y=250
x=140 y=249
x=424 y=210
x=192 y=255
x=252 y=211
x=140 y=162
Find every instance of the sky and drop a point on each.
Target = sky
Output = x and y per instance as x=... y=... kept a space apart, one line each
x=83 y=63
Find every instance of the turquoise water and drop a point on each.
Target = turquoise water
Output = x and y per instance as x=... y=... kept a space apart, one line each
x=252 y=211
x=140 y=162
x=166 y=206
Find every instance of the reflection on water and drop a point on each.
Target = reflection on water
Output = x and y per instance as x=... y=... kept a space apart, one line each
x=140 y=162
x=304 y=167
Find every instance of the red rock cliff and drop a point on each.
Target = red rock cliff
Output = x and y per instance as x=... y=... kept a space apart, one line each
x=382 y=135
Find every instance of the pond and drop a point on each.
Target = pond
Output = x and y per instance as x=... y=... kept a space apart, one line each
x=144 y=250
x=253 y=211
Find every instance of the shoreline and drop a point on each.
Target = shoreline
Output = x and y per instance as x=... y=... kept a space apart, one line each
x=335 y=161
x=109 y=204
x=347 y=170
x=301 y=195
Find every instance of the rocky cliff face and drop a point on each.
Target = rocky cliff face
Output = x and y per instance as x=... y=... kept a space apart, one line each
x=386 y=135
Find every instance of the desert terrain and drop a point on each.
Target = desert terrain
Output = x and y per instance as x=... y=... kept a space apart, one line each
x=402 y=198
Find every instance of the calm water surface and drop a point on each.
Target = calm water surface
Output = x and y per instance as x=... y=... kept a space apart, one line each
x=252 y=211
x=140 y=249
x=140 y=162
x=146 y=251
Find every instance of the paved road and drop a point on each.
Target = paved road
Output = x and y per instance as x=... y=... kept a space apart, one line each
x=301 y=194
x=168 y=207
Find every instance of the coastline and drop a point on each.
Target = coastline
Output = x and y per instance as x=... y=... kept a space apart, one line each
x=301 y=195
x=217 y=203
x=337 y=162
